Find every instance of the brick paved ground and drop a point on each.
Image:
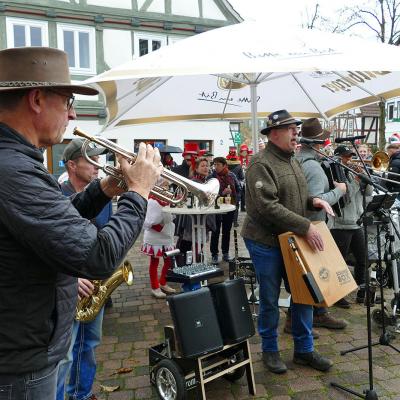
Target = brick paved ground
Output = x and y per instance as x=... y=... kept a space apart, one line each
x=136 y=322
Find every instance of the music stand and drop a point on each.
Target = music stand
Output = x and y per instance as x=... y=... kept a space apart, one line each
x=379 y=203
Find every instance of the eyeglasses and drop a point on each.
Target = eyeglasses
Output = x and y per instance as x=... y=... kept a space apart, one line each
x=70 y=98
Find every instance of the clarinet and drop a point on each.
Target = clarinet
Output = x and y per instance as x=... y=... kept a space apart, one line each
x=334 y=173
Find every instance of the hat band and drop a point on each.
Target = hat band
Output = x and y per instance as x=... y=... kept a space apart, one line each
x=319 y=134
x=30 y=84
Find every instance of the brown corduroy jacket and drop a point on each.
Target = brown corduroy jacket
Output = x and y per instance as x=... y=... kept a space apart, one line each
x=276 y=197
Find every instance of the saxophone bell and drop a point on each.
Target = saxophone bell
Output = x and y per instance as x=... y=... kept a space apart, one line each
x=88 y=307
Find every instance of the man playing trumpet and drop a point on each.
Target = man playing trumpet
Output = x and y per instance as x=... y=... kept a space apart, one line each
x=47 y=240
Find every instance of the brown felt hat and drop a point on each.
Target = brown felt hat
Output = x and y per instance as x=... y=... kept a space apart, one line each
x=312 y=129
x=37 y=67
x=279 y=119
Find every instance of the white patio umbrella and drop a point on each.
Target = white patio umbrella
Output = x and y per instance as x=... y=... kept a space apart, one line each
x=208 y=76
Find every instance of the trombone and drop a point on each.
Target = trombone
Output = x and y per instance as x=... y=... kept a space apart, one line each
x=379 y=163
x=206 y=193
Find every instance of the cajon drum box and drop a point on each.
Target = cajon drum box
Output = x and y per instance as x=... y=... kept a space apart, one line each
x=328 y=268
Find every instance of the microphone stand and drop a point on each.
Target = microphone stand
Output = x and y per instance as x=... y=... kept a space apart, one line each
x=368 y=394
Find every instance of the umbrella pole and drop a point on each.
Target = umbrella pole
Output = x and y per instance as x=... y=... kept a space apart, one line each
x=254 y=122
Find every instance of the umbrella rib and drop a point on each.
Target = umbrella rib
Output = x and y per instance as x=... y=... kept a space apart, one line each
x=232 y=78
x=357 y=85
x=309 y=97
x=122 y=113
x=226 y=103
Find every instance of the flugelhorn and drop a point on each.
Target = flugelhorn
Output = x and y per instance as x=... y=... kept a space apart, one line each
x=205 y=193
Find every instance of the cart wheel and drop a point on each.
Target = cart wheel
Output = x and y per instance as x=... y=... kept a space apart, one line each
x=235 y=374
x=169 y=381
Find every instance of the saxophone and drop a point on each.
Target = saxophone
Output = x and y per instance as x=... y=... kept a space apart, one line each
x=88 y=307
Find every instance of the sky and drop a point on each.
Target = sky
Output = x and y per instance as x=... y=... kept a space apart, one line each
x=290 y=12
x=278 y=10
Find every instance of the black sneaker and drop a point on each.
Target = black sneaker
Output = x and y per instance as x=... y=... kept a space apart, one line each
x=272 y=360
x=313 y=360
x=360 y=297
x=342 y=303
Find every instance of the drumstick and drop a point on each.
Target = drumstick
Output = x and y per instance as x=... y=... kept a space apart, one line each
x=307 y=276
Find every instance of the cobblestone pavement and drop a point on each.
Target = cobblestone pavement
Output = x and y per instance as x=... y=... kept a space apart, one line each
x=136 y=323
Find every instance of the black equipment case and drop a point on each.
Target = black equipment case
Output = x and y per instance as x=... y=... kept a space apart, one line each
x=233 y=310
x=196 y=324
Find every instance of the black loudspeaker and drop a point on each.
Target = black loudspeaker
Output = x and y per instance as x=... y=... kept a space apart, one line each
x=233 y=310
x=196 y=323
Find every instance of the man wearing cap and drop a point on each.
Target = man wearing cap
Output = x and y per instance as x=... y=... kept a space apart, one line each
x=348 y=235
x=47 y=239
x=80 y=363
x=276 y=202
x=318 y=186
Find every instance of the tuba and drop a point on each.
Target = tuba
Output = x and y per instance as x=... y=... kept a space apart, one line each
x=206 y=193
x=88 y=307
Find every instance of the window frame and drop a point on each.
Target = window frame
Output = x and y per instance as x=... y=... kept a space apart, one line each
x=149 y=36
x=136 y=142
x=92 y=46
x=11 y=21
x=393 y=107
x=204 y=144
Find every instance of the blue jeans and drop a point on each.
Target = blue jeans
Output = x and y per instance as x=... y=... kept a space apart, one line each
x=270 y=271
x=32 y=385
x=80 y=362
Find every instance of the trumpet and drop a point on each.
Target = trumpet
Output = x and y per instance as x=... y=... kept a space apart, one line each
x=206 y=193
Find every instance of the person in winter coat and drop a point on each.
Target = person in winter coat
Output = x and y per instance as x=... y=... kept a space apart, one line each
x=348 y=235
x=184 y=222
x=229 y=186
x=235 y=166
x=80 y=363
x=47 y=240
x=158 y=238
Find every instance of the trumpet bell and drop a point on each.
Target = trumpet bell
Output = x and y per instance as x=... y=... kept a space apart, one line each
x=380 y=161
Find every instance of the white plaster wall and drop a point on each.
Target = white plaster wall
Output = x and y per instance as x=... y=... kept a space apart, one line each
x=157 y=6
x=127 y=4
x=392 y=127
x=117 y=47
x=210 y=10
x=189 y=8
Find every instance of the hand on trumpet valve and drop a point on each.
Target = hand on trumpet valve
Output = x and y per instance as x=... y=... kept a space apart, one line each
x=141 y=175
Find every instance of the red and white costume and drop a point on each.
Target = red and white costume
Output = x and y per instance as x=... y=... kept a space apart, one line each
x=158 y=237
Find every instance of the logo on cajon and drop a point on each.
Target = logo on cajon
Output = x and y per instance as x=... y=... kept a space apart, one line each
x=343 y=276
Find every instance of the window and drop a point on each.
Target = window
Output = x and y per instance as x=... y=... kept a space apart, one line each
x=203 y=144
x=154 y=142
x=390 y=112
x=24 y=32
x=80 y=45
x=147 y=43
